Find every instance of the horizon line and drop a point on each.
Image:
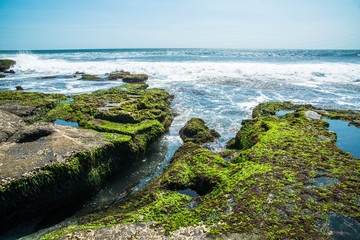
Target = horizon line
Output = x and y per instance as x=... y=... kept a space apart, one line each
x=134 y=48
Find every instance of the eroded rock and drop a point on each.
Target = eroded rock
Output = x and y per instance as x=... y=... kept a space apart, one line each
x=196 y=131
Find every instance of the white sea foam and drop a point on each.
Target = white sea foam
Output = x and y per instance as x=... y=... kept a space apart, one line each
x=295 y=73
x=245 y=82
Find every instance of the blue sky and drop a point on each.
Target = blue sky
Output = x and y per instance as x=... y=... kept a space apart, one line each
x=72 y=24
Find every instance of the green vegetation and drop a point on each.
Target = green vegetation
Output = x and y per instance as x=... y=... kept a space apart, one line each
x=122 y=140
x=196 y=131
x=268 y=190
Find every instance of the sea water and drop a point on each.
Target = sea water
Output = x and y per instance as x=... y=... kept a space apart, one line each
x=221 y=86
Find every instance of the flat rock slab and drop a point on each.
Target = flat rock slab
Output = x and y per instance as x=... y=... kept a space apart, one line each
x=26 y=148
x=313 y=115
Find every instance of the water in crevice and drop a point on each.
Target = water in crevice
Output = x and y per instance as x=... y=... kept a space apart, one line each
x=282 y=112
x=189 y=193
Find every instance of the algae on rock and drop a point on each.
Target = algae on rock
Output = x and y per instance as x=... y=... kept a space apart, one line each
x=5 y=64
x=268 y=191
x=49 y=164
x=196 y=131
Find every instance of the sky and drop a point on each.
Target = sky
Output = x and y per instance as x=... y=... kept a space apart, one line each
x=87 y=24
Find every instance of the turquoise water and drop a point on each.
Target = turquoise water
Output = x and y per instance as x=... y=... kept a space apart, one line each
x=348 y=137
x=66 y=123
x=221 y=86
x=189 y=193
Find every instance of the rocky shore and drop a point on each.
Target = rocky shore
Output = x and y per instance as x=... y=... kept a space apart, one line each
x=45 y=165
x=282 y=177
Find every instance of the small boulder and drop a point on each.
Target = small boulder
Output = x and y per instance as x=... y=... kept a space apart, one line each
x=196 y=131
x=118 y=75
x=19 y=88
x=5 y=64
x=2 y=75
x=132 y=78
x=48 y=77
x=90 y=77
x=312 y=115
x=10 y=71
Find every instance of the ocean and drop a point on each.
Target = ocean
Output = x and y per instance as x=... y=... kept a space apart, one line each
x=221 y=86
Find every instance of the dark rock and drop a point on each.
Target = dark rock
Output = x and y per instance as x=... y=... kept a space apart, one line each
x=117 y=75
x=2 y=76
x=10 y=71
x=197 y=132
x=133 y=78
x=5 y=64
x=19 y=88
x=79 y=72
x=48 y=77
x=90 y=77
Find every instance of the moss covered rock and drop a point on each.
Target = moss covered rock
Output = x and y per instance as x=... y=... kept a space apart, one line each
x=288 y=181
x=44 y=165
x=5 y=64
x=117 y=75
x=133 y=78
x=196 y=131
x=90 y=77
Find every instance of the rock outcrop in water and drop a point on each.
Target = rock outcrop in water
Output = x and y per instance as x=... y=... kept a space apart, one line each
x=44 y=165
x=287 y=180
x=135 y=78
x=117 y=75
x=5 y=64
x=196 y=131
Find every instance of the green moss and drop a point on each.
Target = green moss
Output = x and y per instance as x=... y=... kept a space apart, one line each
x=268 y=190
x=101 y=112
x=196 y=131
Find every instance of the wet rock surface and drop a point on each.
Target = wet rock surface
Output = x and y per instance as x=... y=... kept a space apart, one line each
x=287 y=180
x=5 y=64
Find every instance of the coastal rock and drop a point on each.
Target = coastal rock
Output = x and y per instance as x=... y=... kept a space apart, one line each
x=90 y=77
x=9 y=124
x=19 y=88
x=27 y=105
x=117 y=75
x=281 y=184
x=5 y=64
x=313 y=115
x=196 y=131
x=48 y=77
x=134 y=78
x=10 y=71
x=2 y=76
x=44 y=165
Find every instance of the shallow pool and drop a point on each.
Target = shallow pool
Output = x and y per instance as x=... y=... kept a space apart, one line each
x=348 y=137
